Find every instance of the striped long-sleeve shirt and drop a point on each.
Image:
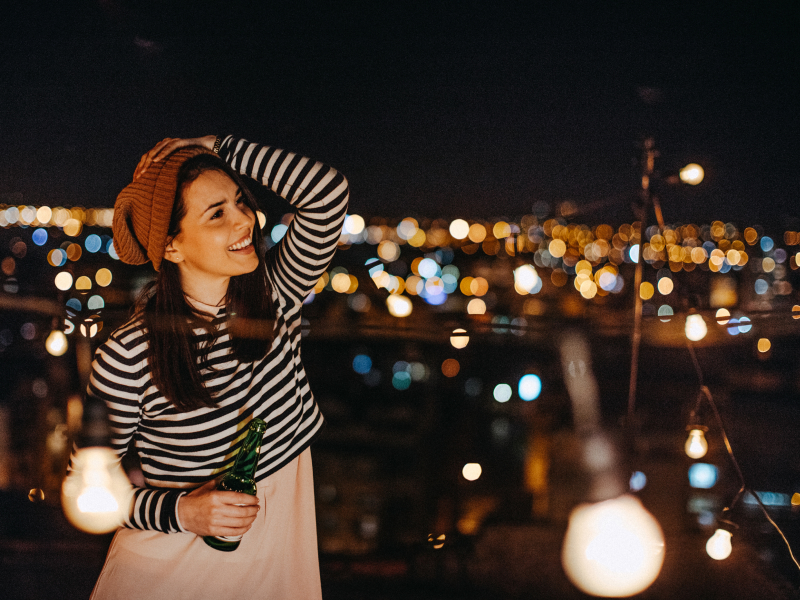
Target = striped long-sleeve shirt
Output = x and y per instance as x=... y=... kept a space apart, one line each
x=181 y=450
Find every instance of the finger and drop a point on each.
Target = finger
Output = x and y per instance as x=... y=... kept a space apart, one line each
x=229 y=531
x=227 y=511
x=234 y=521
x=164 y=148
x=159 y=151
x=238 y=499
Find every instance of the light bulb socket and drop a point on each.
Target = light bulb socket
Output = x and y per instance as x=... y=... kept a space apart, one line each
x=702 y=428
x=602 y=463
x=727 y=525
x=95 y=429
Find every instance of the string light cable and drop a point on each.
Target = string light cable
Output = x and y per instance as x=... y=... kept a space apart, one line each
x=706 y=393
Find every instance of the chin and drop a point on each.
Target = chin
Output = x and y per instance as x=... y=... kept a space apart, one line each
x=245 y=269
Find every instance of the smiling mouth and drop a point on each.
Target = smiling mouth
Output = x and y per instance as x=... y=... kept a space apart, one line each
x=245 y=243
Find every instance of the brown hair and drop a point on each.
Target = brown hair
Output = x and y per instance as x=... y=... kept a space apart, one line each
x=176 y=354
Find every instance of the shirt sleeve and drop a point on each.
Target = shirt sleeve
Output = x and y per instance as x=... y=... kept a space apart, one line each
x=118 y=378
x=318 y=193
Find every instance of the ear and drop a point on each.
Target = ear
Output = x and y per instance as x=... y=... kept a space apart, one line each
x=172 y=253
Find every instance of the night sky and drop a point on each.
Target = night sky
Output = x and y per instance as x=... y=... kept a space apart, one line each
x=471 y=109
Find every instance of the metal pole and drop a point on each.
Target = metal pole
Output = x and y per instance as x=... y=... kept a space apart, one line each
x=648 y=163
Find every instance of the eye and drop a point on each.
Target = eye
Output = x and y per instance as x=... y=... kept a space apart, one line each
x=217 y=214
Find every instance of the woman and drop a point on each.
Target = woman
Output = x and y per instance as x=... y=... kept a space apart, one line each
x=185 y=376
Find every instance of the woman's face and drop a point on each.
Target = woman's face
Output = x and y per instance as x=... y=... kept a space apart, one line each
x=216 y=233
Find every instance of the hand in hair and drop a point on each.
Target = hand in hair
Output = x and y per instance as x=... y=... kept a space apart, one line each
x=166 y=147
x=207 y=511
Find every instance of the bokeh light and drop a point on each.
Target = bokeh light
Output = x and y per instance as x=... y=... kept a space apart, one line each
x=476 y=306
x=459 y=341
x=703 y=476
x=103 y=277
x=63 y=281
x=530 y=386
x=502 y=392
x=459 y=229
x=450 y=367
x=398 y=305
x=471 y=471
x=39 y=237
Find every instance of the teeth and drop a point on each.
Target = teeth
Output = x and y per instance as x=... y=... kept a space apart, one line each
x=241 y=245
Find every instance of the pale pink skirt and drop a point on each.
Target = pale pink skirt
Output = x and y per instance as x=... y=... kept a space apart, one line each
x=276 y=559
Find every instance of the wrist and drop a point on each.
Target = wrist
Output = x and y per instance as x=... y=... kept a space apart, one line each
x=178 y=520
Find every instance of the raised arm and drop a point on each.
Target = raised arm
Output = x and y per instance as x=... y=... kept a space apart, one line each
x=319 y=194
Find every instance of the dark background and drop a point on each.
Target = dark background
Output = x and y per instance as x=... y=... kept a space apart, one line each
x=436 y=108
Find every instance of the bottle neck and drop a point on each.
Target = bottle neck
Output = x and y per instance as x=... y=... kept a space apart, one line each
x=247 y=458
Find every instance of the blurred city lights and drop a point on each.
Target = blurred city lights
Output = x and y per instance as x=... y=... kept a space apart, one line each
x=278 y=231
x=502 y=392
x=744 y=326
x=702 y=476
x=459 y=341
x=362 y=364
x=63 y=281
x=399 y=306
x=450 y=367
x=103 y=277
x=353 y=224
x=530 y=386
x=471 y=471
x=476 y=306
x=637 y=481
x=459 y=229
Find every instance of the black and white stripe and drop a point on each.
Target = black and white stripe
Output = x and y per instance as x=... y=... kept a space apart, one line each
x=180 y=450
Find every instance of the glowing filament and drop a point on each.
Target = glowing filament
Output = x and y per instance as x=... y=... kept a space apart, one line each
x=718 y=545
x=696 y=444
x=696 y=328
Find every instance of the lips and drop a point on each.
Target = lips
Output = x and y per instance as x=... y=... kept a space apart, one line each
x=241 y=244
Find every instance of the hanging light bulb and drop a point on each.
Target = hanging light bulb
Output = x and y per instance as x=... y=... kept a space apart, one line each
x=696 y=328
x=96 y=493
x=696 y=444
x=718 y=545
x=692 y=174
x=613 y=548
x=56 y=343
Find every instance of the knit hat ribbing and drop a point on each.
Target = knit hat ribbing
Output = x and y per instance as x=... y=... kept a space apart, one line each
x=144 y=207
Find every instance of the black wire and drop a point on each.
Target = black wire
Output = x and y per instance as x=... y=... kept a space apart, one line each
x=705 y=392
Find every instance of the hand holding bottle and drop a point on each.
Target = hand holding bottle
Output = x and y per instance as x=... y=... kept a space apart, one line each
x=208 y=511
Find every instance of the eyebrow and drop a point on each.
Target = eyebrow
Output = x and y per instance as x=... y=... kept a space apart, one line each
x=221 y=202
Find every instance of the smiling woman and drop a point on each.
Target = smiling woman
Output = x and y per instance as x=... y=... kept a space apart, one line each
x=183 y=379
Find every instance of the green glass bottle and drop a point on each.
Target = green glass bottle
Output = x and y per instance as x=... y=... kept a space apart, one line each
x=241 y=479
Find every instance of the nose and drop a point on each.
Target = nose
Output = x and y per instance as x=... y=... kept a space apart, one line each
x=245 y=217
